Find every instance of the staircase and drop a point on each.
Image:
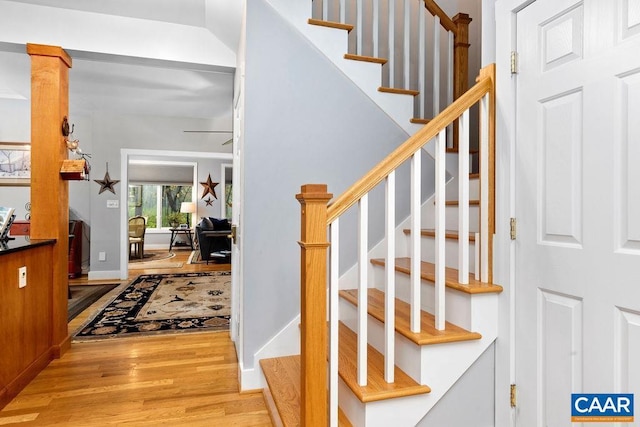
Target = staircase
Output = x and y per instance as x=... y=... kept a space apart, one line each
x=403 y=331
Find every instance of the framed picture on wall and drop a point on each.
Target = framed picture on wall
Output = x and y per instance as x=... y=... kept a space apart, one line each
x=15 y=163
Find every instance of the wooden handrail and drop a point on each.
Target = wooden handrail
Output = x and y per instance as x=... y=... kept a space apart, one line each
x=446 y=22
x=376 y=175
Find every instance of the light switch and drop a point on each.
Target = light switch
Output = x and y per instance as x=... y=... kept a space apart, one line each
x=22 y=277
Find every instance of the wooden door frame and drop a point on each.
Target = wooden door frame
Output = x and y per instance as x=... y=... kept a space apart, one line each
x=504 y=253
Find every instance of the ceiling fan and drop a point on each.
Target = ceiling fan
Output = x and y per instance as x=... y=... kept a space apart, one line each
x=213 y=131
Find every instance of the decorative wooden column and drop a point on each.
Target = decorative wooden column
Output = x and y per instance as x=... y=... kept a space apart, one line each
x=313 y=199
x=49 y=193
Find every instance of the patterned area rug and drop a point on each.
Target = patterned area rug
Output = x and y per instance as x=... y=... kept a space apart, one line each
x=158 y=303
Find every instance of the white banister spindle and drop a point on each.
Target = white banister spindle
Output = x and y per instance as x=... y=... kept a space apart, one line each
x=334 y=288
x=325 y=10
x=476 y=254
x=406 y=46
x=436 y=66
x=390 y=283
x=363 y=229
x=359 y=26
x=484 y=189
x=440 y=155
x=422 y=65
x=449 y=74
x=376 y=28
x=392 y=43
x=343 y=11
x=463 y=198
x=416 y=204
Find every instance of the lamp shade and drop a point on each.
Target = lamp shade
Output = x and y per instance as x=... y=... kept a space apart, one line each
x=188 y=207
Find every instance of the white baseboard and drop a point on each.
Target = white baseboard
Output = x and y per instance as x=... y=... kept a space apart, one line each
x=104 y=275
x=284 y=343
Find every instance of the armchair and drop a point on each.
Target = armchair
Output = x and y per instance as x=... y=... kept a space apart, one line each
x=137 y=228
x=213 y=240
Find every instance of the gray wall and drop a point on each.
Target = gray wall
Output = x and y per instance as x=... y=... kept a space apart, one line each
x=470 y=400
x=305 y=122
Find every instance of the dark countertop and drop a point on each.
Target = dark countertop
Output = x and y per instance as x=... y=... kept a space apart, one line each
x=22 y=243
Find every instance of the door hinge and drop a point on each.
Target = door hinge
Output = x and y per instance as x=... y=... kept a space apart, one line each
x=512 y=228
x=514 y=62
x=512 y=396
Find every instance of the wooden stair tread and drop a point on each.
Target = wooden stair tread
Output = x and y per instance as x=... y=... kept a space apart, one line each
x=457 y=202
x=283 y=378
x=398 y=91
x=330 y=24
x=428 y=332
x=377 y=388
x=419 y=121
x=365 y=58
x=449 y=234
x=474 y=176
x=451 y=276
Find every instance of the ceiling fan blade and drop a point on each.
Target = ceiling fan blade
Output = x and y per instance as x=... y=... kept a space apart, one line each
x=207 y=131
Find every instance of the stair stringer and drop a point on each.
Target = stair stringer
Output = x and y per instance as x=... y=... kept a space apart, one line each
x=334 y=45
x=438 y=365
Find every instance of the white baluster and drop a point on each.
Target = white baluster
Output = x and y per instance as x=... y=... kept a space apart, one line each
x=363 y=222
x=422 y=58
x=359 y=26
x=343 y=12
x=476 y=253
x=436 y=66
x=406 y=50
x=463 y=198
x=484 y=189
x=449 y=74
x=416 y=204
x=376 y=26
x=325 y=10
x=440 y=155
x=392 y=43
x=334 y=288
x=390 y=282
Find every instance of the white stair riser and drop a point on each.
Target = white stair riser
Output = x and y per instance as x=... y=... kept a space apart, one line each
x=457 y=307
x=451 y=220
x=428 y=251
x=451 y=191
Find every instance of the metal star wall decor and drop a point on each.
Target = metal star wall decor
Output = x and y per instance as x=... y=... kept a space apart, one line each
x=107 y=183
x=209 y=201
x=209 y=187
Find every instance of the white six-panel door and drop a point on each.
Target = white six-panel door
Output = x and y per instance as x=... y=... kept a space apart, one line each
x=577 y=205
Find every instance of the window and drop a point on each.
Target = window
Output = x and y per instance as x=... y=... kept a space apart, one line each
x=159 y=203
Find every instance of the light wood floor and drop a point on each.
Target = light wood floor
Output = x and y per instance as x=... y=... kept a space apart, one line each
x=188 y=379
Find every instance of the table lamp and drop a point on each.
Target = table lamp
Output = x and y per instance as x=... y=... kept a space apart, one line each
x=188 y=208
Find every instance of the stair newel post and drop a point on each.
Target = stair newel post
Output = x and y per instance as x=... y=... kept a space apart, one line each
x=460 y=62
x=313 y=199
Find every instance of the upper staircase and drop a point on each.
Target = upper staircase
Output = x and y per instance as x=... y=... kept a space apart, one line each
x=421 y=307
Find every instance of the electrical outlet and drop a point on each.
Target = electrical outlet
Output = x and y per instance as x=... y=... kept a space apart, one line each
x=22 y=277
x=113 y=204
x=102 y=256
